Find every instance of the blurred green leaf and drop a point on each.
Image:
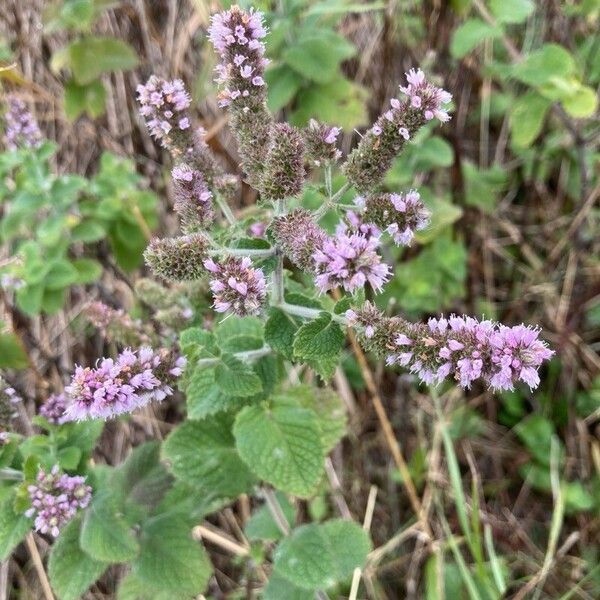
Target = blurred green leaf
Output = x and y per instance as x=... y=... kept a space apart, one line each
x=469 y=35
x=79 y=99
x=541 y=66
x=527 y=117
x=511 y=11
x=12 y=353
x=284 y=84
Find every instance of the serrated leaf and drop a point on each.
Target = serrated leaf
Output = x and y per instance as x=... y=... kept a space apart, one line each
x=204 y=397
x=318 y=339
x=280 y=329
x=203 y=454
x=13 y=526
x=71 y=570
x=132 y=587
x=105 y=535
x=279 y=587
x=318 y=556
x=170 y=560
x=329 y=408
x=239 y=334
x=142 y=479
x=282 y=445
x=237 y=378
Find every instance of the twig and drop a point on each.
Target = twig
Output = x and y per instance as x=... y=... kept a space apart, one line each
x=366 y=526
x=220 y=539
x=39 y=566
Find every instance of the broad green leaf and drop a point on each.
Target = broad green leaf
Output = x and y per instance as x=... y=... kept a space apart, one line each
x=29 y=298
x=318 y=56
x=527 y=117
x=90 y=57
x=12 y=353
x=13 y=526
x=483 y=186
x=279 y=588
x=280 y=329
x=88 y=270
x=142 y=479
x=238 y=335
x=237 y=378
x=582 y=104
x=62 y=274
x=203 y=454
x=284 y=84
x=536 y=431
x=318 y=339
x=443 y=214
x=132 y=587
x=511 y=11
x=89 y=98
x=204 y=397
x=470 y=34
x=282 y=445
x=541 y=66
x=71 y=570
x=170 y=560
x=105 y=535
x=329 y=409
x=88 y=231
x=317 y=556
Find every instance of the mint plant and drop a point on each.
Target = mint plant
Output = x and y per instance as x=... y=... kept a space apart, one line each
x=286 y=297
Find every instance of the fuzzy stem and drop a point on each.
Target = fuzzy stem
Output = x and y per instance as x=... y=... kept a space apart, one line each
x=309 y=313
x=251 y=252
x=330 y=202
x=248 y=355
x=8 y=474
x=225 y=209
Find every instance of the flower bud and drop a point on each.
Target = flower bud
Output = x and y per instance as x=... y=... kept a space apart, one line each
x=177 y=259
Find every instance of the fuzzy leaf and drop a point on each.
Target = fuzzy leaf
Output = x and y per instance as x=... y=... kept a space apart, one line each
x=282 y=445
x=318 y=339
x=13 y=526
x=318 y=556
x=205 y=397
x=237 y=378
x=469 y=35
x=203 y=455
x=170 y=560
x=71 y=570
x=280 y=329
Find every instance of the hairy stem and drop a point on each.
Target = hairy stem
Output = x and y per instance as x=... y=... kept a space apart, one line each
x=247 y=356
x=330 y=202
x=251 y=252
x=225 y=209
x=309 y=313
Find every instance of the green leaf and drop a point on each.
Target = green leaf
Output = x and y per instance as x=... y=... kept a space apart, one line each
x=511 y=11
x=237 y=378
x=318 y=56
x=204 y=397
x=13 y=526
x=62 y=274
x=105 y=535
x=90 y=57
x=203 y=454
x=240 y=334
x=443 y=214
x=89 y=98
x=483 y=186
x=29 y=298
x=12 y=354
x=283 y=84
x=282 y=445
x=71 y=570
x=536 y=431
x=88 y=270
x=318 y=339
x=329 y=408
x=142 y=479
x=170 y=560
x=527 y=117
x=581 y=104
x=318 y=556
x=279 y=587
x=132 y=587
x=541 y=66
x=470 y=34
x=88 y=231
x=280 y=329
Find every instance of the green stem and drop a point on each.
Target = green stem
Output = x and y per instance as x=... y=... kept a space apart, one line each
x=247 y=356
x=308 y=313
x=8 y=474
x=225 y=209
x=251 y=252
x=330 y=202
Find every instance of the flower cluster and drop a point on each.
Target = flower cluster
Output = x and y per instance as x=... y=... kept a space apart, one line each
x=21 y=128
x=55 y=499
x=237 y=286
x=236 y=35
x=350 y=261
x=321 y=142
x=401 y=215
x=369 y=161
x=8 y=398
x=177 y=259
x=164 y=105
x=120 y=386
x=460 y=347
x=299 y=237
x=54 y=408
x=284 y=163
x=192 y=198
